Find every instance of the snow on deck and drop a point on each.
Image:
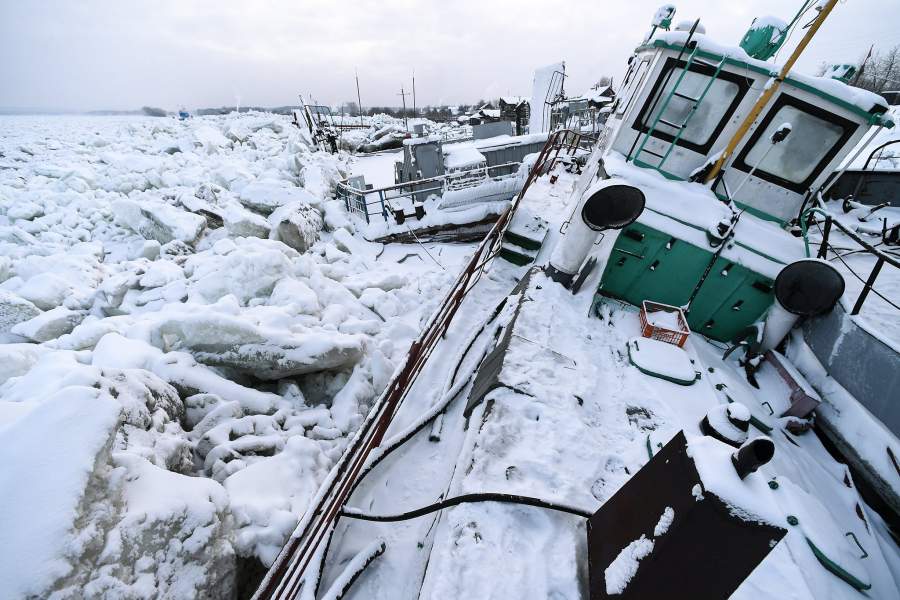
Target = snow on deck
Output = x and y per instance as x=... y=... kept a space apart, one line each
x=421 y=469
x=378 y=169
x=572 y=427
x=571 y=423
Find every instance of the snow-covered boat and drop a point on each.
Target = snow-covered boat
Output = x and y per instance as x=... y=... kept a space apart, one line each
x=637 y=402
x=451 y=187
x=443 y=187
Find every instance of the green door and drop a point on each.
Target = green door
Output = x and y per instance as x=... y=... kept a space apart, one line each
x=731 y=298
x=647 y=264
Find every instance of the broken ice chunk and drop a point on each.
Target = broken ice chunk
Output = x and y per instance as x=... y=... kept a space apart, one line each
x=55 y=447
x=160 y=273
x=158 y=221
x=296 y=224
x=250 y=273
x=45 y=290
x=49 y=325
x=14 y=310
x=266 y=196
x=17 y=359
x=291 y=292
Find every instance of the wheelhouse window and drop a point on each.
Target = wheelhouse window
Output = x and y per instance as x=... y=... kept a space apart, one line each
x=816 y=136
x=719 y=97
x=701 y=125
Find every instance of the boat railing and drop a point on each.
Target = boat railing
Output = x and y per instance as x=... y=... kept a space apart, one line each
x=825 y=245
x=463 y=134
x=371 y=203
x=350 y=126
x=880 y=151
x=285 y=576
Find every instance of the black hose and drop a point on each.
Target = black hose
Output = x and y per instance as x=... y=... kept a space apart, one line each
x=393 y=445
x=494 y=315
x=409 y=435
x=369 y=468
x=466 y=499
x=321 y=571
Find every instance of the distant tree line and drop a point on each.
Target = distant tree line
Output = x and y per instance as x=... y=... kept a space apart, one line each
x=151 y=111
x=225 y=110
x=880 y=72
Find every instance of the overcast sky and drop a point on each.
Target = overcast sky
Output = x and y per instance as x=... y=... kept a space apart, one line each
x=93 y=54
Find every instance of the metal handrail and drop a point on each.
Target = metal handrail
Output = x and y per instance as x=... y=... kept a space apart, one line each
x=690 y=61
x=384 y=196
x=881 y=147
x=882 y=257
x=284 y=578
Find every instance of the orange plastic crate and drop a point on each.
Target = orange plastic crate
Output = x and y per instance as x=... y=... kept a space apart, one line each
x=667 y=334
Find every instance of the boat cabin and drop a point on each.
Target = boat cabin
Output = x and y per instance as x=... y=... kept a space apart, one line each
x=714 y=249
x=684 y=96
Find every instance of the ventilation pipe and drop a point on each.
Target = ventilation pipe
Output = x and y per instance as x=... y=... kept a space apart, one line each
x=806 y=288
x=753 y=455
x=606 y=206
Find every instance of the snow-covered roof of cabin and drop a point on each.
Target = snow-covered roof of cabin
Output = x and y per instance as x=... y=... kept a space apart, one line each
x=769 y=20
x=602 y=93
x=604 y=96
x=864 y=102
x=425 y=139
x=501 y=140
x=601 y=96
x=514 y=100
x=458 y=156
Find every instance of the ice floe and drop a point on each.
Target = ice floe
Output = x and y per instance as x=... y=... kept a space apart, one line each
x=190 y=329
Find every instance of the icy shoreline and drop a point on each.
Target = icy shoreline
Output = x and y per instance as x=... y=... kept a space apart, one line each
x=189 y=331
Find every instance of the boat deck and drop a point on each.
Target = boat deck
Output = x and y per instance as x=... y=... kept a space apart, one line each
x=571 y=422
x=574 y=424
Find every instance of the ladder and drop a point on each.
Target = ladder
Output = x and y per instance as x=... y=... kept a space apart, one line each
x=679 y=127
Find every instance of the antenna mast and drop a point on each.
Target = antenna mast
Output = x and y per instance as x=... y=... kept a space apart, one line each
x=358 y=100
x=403 y=94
